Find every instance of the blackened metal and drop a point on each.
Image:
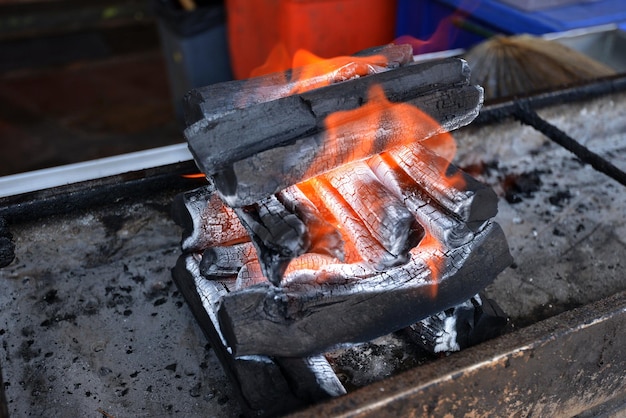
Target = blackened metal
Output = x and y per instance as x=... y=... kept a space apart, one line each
x=568 y=365
x=525 y=114
x=497 y=111
x=135 y=186
x=4 y=407
x=7 y=247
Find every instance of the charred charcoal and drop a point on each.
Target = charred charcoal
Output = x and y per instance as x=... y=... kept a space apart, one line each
x=241 y=182
x=444 y=228
x=385 y=216
x=354 y=228
x=324 y=237
x=461 y=195
x=439 y=89
x=331 y=307
x=212 y=101
x=249 y=275
x=264 y=384
x=469 y=323
x=226 y=261
x=278 y=235
x=206 y=220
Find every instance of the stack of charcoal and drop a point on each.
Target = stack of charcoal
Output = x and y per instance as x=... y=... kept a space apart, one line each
x=307 y=239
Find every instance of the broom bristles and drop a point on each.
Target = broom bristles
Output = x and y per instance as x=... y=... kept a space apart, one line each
x=518 y=65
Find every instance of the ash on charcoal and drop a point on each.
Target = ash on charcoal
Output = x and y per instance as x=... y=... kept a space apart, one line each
x=469 y=323
x=365 y=363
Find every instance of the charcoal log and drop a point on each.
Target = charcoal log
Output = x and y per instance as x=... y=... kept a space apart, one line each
x=355 y=231
x=459 y=193
x=278 y=235
x=264 y=384
x=206 y=220
x=219 y=262
x=471 y=322
x=429 y=212
x=308 y=317
x=385 y=216
x=248 y=178
x=254 y=135
x=325 y=238
x=215 y=100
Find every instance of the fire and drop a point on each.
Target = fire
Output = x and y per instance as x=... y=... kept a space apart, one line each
x=194 y=176
x=356 y=135
x=309 y=71
x=433 y=260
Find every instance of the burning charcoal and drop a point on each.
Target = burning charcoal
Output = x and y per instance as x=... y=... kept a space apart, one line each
x=308 y=261
x=444 y=228
x=206 y=221
x=249 y=275
x=325 y=238
x=350 y=252
x=459 y=327
x=241 y=183
x=264 y=384
x=459 y=193
x=7 y=247
x=385 y=216
x=278 y=235
x=440 y=89
x=226 y=261
x=305 y=317
x=215 y=100
x=356 y=231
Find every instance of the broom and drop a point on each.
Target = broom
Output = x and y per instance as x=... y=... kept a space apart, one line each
x=522 y=64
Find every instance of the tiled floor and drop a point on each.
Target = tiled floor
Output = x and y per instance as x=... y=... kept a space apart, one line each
x=85 y=110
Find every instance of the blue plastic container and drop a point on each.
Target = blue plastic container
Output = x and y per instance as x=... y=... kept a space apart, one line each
x=419 y=18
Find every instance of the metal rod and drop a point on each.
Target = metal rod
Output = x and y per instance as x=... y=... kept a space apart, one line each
x=525 y=114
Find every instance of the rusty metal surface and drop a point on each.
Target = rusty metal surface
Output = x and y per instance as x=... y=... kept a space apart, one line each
x=567 y=365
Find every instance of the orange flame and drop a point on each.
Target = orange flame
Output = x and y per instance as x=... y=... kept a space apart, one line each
x=376 y=126
x=194 y=176
x=433 y=259
x=309 y=71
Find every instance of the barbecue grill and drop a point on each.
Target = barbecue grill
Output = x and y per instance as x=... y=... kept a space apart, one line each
x=93 y=323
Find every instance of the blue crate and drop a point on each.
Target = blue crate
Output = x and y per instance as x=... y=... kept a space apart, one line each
x=419 y=18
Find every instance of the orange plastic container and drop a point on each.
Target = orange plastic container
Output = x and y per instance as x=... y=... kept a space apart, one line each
x=327 y=28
